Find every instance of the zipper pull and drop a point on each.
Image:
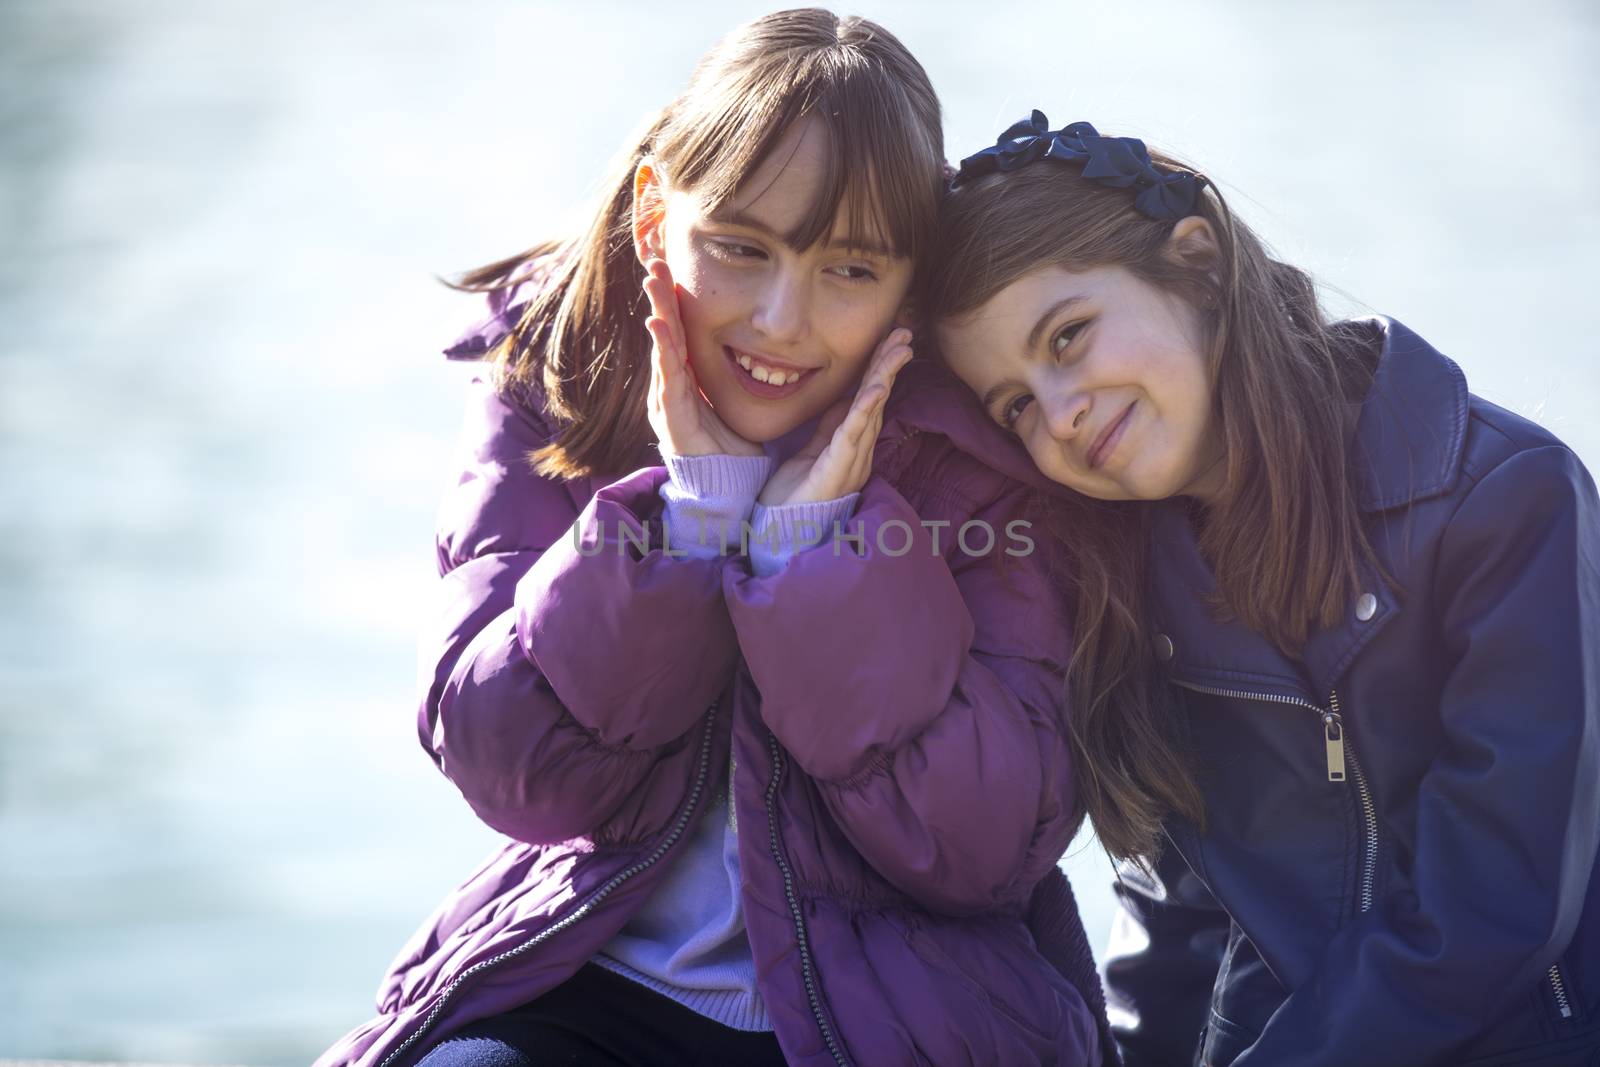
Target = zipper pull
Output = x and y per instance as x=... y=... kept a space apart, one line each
x=1333 y=733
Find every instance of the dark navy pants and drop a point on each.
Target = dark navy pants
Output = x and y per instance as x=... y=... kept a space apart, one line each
x=601 y=1018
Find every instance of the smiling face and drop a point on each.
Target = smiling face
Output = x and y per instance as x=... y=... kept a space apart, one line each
x=776 y=333
x=1102 y=375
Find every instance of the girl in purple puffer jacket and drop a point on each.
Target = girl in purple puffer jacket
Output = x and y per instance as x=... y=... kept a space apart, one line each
x=745 y=645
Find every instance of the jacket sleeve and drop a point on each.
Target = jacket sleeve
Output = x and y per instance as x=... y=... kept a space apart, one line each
x=562 y=659
x=1508 y=814
x=925 y=697
x=1168 y=937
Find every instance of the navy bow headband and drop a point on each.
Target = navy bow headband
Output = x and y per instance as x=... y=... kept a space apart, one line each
x=1120 y=162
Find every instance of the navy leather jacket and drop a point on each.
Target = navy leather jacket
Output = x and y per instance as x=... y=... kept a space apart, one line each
x=1398 y=867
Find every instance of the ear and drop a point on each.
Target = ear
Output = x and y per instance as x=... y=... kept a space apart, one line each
x=649 y=213
x=1193 y=243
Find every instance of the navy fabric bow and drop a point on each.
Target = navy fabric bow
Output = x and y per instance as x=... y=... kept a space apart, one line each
x=1120 y=162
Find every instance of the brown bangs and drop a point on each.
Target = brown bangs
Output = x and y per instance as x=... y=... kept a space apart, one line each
x=882 y=179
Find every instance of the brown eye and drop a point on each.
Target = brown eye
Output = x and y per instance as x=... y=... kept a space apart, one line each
x=734 y=250
x=1013 y=410
x=1064 y=337
x=856 y=273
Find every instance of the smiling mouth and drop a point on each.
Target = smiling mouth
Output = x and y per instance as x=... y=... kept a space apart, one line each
x=1107 y=441
x=765 y=371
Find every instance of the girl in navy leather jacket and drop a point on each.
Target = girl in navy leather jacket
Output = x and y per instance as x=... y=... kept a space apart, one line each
x=1338 y=646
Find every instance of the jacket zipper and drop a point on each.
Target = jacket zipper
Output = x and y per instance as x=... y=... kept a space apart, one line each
x=678 y=827
x=1338 y=753
x=1369 y=810
x=806 y=972
x=1559 y=988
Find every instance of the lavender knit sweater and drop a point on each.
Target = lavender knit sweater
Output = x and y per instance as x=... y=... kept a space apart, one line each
x=688 y=940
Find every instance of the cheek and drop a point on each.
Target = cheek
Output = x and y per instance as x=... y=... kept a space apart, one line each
x=854 y=323
x=1178 y=442
x=1047 y=456
x=705 y=297
x=1195 y=399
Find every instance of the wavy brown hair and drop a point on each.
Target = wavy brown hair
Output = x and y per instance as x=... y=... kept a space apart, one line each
x=1284 y=536
x=581 y=342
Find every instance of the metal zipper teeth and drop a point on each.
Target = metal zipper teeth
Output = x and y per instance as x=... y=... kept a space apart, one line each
x=1334 y=724
x=806 y=972
x=678 y=826
x=1559 y=988
x=1369 y=815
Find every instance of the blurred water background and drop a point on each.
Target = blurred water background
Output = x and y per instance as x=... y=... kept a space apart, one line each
x=224 y=421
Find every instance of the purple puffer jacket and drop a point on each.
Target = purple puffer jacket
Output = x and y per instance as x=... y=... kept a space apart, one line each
x=903 y=786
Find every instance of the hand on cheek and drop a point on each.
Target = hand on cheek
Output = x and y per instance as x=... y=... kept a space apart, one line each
x=683 y=422
x=838 y=458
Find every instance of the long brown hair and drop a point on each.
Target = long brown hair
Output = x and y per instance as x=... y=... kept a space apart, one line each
x=581 y=343
x=1284 y=536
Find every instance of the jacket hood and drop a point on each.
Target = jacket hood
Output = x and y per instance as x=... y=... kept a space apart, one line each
x=928 y=397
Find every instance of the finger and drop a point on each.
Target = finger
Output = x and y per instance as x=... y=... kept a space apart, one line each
x=827 y=425
x=666 y=367
x=659 y=346
x=860 y=438
x=884 y=377
x=663 y=295
x=860 y=416
x=669 y=289
x=892 y=359
x=868 y=445
x=661 y=380
x=685 y=396
x=655 y=289
x=900 y=337
x=873 y=430
x=875 y=414
x=663 y=349
x=664 y=307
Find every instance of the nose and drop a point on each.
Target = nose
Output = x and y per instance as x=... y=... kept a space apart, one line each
x=783 y=306
x=1066 y=412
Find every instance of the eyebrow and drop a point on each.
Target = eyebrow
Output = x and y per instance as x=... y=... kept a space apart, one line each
x=1065 y=304
x=1034 y=336
x=750 y=222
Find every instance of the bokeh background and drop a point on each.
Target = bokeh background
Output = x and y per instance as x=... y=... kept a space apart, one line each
x=225 y=422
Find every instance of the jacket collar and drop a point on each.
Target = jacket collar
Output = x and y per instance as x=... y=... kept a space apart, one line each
x=1413 y=423
x=1408 y=447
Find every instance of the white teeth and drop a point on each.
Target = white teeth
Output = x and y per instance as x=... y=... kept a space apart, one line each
x=765 y=374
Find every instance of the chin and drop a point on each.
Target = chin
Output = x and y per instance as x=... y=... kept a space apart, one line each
x=757 y=426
